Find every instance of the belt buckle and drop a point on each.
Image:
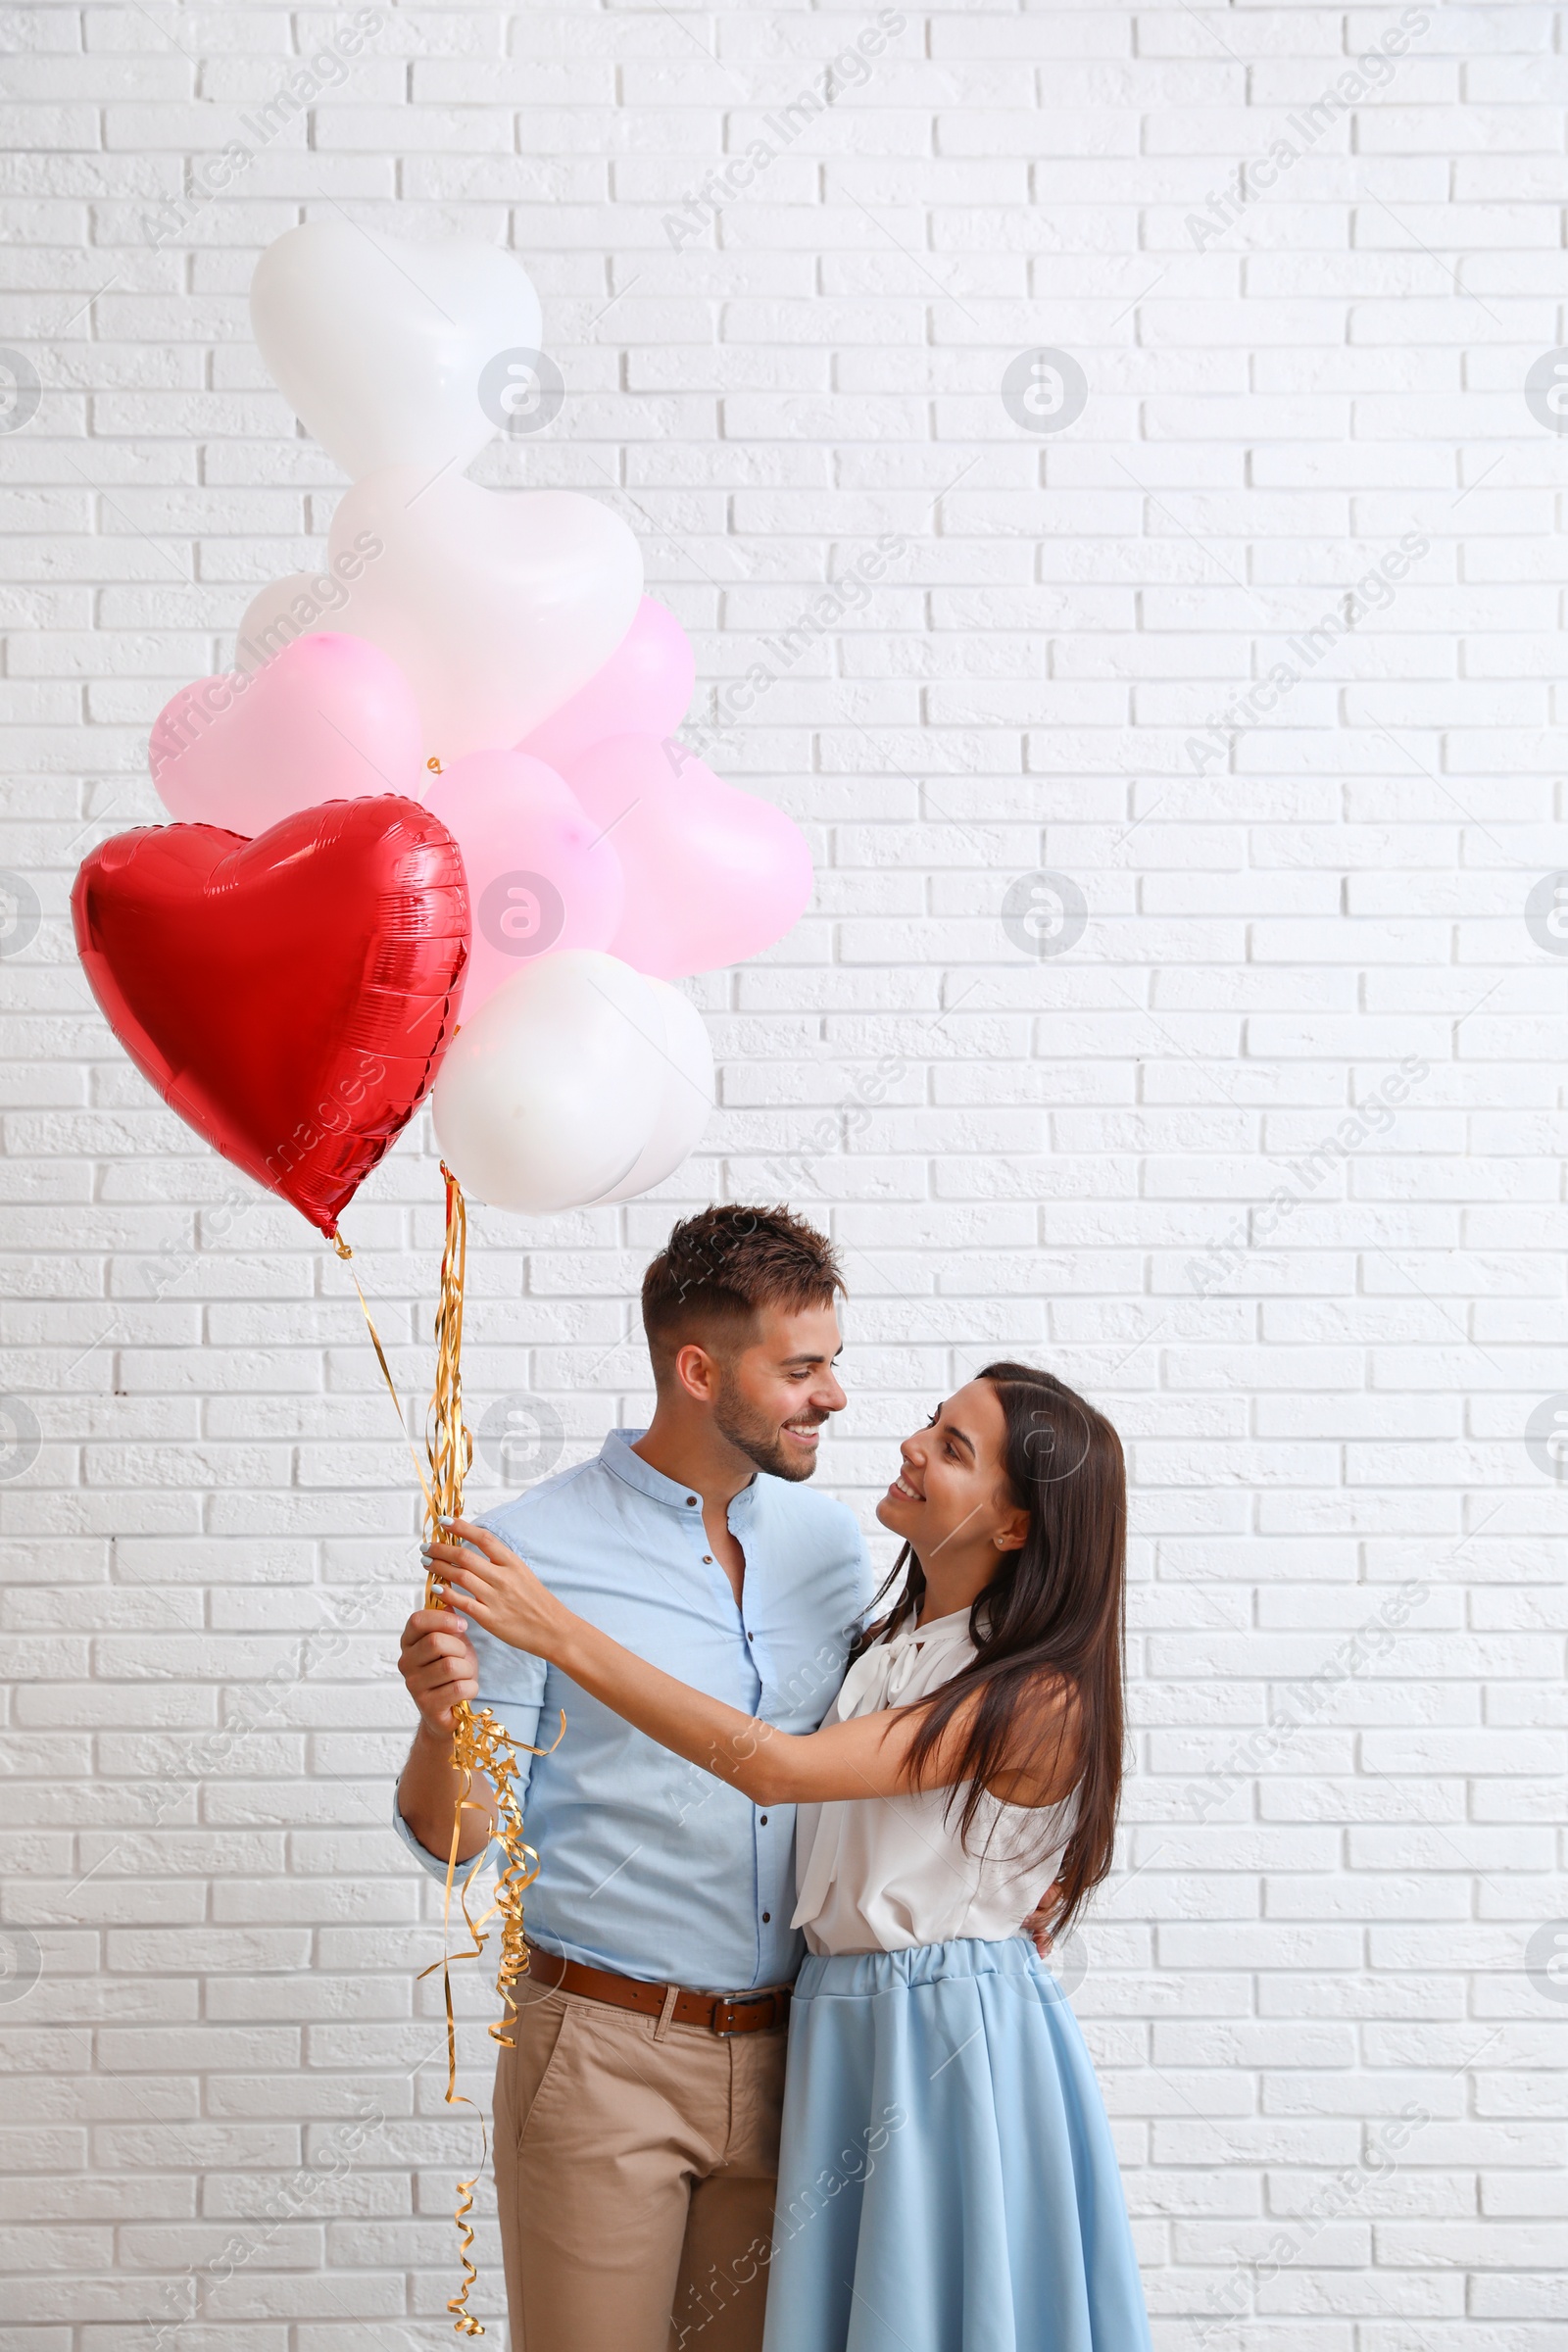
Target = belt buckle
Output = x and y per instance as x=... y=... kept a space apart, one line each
x=726 y=2006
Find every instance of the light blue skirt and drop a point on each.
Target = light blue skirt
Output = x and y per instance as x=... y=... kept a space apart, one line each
x=947 y=2179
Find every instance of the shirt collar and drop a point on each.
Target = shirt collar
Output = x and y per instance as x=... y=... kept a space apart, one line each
x=937 y=1633
x=619 y=1460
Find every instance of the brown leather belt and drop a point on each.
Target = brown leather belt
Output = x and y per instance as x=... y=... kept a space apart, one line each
x=720 y=2012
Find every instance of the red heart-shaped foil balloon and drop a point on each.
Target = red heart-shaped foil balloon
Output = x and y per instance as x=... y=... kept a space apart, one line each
x=290 y=997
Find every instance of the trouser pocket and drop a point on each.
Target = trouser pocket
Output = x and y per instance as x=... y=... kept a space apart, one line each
x=538 y=2034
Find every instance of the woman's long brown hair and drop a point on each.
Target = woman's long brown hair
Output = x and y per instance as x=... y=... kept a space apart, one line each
x=1053 y=1618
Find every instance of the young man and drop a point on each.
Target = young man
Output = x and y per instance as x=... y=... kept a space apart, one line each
x=637 y=2119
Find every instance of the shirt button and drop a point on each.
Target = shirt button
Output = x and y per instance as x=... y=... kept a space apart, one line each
x=707 y=1559
x=763 y=1819
x=691 y=1501
x=767 y=1916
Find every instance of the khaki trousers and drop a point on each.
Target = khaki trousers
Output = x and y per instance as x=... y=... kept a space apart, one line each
x=635 y=2172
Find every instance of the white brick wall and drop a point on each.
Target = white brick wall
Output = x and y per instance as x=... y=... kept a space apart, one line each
x=1319 y=1991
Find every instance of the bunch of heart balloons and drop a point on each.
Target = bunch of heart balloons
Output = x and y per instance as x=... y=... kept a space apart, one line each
x=440 y=786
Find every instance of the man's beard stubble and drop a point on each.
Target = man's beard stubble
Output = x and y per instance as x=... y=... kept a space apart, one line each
x=755 y=1436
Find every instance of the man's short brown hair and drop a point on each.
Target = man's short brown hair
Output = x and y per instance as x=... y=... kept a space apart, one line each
x=719 y=1268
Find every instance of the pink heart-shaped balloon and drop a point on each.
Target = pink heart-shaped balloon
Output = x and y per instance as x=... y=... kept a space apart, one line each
x=328 y=718
x=542 y=874
x=645 y=688
x=712 y=876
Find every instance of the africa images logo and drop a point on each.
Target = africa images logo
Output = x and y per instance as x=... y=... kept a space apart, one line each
x=1044 y=913
x=522 y=913
x=521 y=391
x=20 y=391
x=1546 y=1438
x=1045 y=391
x=1546 y=391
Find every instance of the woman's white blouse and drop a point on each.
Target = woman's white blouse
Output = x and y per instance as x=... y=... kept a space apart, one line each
x=881 y=1873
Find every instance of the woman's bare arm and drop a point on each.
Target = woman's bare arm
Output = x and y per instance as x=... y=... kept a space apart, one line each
x=866 y=1757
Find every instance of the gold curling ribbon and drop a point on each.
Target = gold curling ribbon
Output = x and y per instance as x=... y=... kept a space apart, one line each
x=479 y=1742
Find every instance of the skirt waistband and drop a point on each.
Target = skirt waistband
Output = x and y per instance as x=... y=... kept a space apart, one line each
x=859 y=1976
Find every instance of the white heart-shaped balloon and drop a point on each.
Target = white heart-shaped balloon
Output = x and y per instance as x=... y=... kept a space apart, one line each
x=688 y=1075
x=496 y=605
x=378 y=346
x=549 y=1095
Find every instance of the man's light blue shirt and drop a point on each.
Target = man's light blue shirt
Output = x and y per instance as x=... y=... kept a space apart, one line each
x=647 y=1864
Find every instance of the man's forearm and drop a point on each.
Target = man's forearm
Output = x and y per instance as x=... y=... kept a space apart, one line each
x=429 y=1792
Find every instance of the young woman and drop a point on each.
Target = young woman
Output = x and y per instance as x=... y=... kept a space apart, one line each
x=947 y=2179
